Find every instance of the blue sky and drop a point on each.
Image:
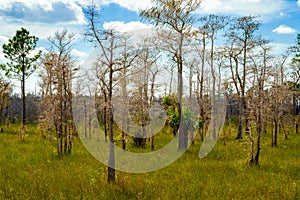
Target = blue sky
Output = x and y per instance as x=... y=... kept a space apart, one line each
x=43 y=17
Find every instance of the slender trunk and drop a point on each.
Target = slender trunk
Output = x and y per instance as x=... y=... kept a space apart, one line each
x=258 y=148
x=274 y=140
x=183 y=137
x=171 y=79
x=105 y=117
x=111 y=160
x=245 y=114
x=213 y=119
x=22 y=131
x=61 y=125
x=151 y=104
x=240 y=121
x=124 y=91
x=259 y=130
x=201 y=103
x=276 y=109
x=89 y=121
x=152 y=142
x=123 y=139
x=246 y=117
x=236 y=79
x=191 y=82
x=85 y=117
x=65 y=115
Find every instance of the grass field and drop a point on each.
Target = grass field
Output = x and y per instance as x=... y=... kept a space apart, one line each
x=32 y=170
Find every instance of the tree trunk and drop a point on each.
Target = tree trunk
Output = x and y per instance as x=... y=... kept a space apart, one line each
x=105 y=117
x=258 y=149
x=240 y=121
x=259 y=130
x=111 y=159
x=201 y=102
x=183 y=136
x=23 y=129
x=213 y=119
x=274 y=140
x=85 y=117
x=152 y=142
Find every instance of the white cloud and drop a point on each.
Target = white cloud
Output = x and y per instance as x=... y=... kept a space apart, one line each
x=36 y=51
x=241 y=7
x=279 y=48
x=125 y=27
x=284 y=29
x=42 y=4
x=79 y=54
x=214 y=6
x=42 y=31
x=283 y=14
x=298 y=3
x=43 y=11
x=33 y=4
x=133 y=5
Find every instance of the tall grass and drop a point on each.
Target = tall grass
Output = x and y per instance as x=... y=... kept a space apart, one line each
x=32 y=170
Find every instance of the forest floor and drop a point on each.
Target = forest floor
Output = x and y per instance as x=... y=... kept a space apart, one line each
x=31 y=169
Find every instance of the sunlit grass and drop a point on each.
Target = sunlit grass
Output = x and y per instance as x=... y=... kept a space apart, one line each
x=32 y=170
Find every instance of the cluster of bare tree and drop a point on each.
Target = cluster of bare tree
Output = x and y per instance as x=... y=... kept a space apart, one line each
x=56 y=91
x=221 y=55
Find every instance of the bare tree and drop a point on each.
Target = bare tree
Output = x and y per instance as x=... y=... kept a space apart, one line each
x=5 y=90
x=146 y=62
x=212 y=25
x=56 y=90
x=261 y=70
x=109 y=45
x=178 y=16
x=277 y=96
x=202 y=42
x=242 y=39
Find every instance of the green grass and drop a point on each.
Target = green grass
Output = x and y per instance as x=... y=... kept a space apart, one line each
x=32 y=170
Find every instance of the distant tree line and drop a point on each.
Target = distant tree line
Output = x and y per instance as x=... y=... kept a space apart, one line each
x=13 y=110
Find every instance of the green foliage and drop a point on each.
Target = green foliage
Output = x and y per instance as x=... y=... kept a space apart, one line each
x=18 y=50
x=295 y=64
x=173 y=118
x=296 y=59
x=170 y=104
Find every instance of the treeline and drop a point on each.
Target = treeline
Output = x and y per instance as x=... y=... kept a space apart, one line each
x=12 y=112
